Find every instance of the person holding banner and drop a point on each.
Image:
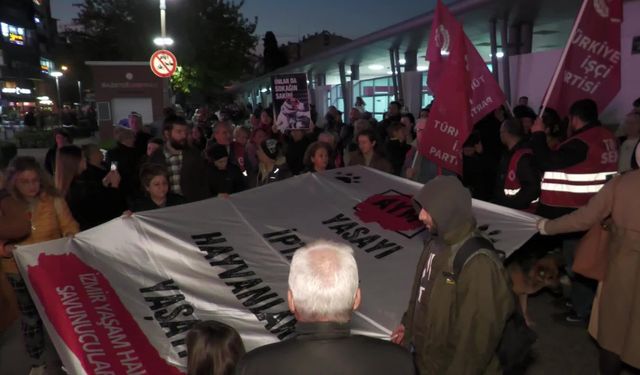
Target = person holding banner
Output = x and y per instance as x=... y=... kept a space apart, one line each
x=458 y=310
x=323 y=294
x=50 y=219
x=573 y=173
x=617 y=321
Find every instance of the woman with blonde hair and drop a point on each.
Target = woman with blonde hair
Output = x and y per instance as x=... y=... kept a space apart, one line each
x=213 y=348
x=28 y=183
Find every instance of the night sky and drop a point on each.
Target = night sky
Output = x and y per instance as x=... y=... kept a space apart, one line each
x=290 y=19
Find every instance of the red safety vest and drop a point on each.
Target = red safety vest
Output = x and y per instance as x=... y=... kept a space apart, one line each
x=511 y=183
x=238 y=152
x=574 y=186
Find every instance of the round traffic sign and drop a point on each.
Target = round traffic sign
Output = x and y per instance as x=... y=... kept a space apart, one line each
x=163 y=63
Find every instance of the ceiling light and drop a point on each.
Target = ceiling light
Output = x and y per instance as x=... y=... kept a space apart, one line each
x=402 y=61
x=376 y=67
x=499 y=54
x=263 y=90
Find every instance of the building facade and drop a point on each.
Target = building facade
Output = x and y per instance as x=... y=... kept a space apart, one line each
x=27 y=38
x=390 y=64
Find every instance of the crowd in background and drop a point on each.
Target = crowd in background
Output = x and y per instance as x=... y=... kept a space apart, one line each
x=185 y=160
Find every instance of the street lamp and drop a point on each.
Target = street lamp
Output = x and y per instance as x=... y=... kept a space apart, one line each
x=163 y=41
x=57 y=75
x=64 y=68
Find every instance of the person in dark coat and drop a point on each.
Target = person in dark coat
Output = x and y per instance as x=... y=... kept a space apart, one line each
x=224 y=178
x=478 y=170
x=125 y=159
x=155 y=181
x=392 y=116
x=367 y=154
x=185 y=165
x=397 y=147
x=94 y=197
x=323 y=293
x=61 y=138
x=142 y=138
x=518 y=184
x=296 y=145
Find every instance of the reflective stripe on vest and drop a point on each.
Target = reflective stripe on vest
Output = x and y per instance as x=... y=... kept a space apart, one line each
x=575 y=185
x=511 y=182
x=578 y=177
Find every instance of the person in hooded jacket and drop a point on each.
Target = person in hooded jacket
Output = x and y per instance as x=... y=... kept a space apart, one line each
x=454 y=323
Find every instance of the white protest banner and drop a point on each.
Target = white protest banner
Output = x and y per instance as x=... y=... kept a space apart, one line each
x=121 y=297
x=291 y=101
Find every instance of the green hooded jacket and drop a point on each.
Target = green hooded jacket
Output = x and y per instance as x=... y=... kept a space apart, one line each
x=455 y=324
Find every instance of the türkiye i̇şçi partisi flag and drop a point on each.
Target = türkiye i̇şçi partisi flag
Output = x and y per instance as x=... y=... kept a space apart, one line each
x=590 y=64
x=464 y=88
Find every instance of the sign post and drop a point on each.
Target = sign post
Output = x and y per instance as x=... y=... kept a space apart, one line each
x=163 y=63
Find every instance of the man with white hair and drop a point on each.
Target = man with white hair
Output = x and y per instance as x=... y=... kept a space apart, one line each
x=323 y=293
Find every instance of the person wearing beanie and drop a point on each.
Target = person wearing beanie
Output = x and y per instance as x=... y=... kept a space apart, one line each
x=456 y=317
x=272 y=166
x=224 y=177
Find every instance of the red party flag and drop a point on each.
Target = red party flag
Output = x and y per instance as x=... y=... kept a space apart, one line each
x=590 y=63
x=464 y=88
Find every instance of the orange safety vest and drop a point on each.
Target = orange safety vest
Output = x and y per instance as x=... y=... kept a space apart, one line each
x=574 y=186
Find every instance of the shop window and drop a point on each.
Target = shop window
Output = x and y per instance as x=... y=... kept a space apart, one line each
x=377 y=93
x=427 y=98
x=13 y=34
x=46 y=65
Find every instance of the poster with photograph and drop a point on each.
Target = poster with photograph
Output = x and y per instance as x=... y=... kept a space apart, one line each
x=291 y=101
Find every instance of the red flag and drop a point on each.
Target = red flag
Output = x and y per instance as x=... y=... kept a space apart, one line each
x=590 y=63
x=464 y=88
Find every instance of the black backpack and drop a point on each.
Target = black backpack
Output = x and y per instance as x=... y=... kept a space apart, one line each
x=517 y=340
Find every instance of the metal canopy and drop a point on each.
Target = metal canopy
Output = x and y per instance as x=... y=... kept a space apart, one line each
x=551 y=22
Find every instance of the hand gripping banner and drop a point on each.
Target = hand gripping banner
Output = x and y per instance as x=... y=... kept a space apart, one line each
x=120 y=298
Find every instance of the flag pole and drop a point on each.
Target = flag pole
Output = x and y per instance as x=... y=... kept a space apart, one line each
x=545 y=101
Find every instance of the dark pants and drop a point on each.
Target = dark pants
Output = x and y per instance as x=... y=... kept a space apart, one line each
x=583 y=289
x=31 y=323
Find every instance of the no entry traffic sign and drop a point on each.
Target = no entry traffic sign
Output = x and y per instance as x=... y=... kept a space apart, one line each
x=163 y=63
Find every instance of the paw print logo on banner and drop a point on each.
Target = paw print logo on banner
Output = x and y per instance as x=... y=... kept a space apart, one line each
x=348 y=178
x=491 y=234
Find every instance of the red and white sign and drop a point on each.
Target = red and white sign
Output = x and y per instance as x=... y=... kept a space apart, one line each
x=590 y=63
x=163 y=63
x=464 y=88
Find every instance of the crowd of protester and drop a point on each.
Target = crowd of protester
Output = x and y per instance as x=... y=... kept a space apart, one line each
x=519 y=159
